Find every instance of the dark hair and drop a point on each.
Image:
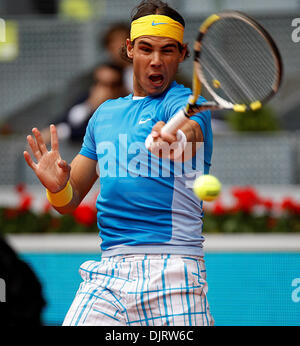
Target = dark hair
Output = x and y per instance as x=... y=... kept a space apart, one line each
x=148 y=7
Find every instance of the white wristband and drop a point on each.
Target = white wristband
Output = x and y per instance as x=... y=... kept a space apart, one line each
x=181 y=141
x=181 y=144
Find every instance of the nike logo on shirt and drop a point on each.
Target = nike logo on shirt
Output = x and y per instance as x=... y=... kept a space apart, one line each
x=144 y=121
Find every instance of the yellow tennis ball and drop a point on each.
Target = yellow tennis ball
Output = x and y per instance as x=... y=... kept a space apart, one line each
x=207 y=187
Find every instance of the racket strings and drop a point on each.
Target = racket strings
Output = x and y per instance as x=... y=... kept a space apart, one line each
x=258 y=64
x=237 y=81
x=257 y=55
x=228 y=75
x=264 y=59
x=239 y=58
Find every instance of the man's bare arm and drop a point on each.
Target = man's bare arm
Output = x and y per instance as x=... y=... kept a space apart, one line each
x=83 y=175
x=55 y=173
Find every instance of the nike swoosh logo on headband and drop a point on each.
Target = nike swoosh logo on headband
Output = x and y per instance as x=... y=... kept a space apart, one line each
x=153 y=23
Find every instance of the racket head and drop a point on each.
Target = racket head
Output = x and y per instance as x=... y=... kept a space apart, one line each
x=237 y=61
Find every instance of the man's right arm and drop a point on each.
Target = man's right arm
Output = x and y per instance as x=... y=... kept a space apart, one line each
x=66 y=184
x=83 y=175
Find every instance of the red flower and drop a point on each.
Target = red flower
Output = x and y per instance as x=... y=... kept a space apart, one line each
x=218 y=208
x=25 y=203
x=290 y=205
x=25 y=199
x=85 y=215
x=246 y=198
x=20 y=188
x=287 y=203
x=297 y=210
x=268 y=204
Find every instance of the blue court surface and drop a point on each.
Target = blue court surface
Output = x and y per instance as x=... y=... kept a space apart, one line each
x=245 y=289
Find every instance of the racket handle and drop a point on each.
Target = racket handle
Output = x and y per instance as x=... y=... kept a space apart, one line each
x=175 y=123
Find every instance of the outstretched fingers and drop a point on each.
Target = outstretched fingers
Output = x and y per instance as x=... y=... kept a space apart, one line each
x=29 y=160
x=39 y=140
x=34 y=147
x=54 y=138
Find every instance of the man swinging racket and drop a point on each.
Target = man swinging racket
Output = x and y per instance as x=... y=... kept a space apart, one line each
x=152 y=269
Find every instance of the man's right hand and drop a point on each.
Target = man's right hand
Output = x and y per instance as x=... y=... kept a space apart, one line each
x=52 y=171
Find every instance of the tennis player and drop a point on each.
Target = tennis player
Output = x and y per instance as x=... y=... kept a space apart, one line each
x=152 y=270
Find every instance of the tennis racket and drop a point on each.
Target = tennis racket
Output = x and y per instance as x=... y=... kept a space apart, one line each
x=238 y=63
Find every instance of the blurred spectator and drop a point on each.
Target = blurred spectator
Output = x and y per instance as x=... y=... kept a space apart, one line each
x=108 y=84
x=113 y=41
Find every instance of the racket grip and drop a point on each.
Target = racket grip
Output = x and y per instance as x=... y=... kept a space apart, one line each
x=173 y=125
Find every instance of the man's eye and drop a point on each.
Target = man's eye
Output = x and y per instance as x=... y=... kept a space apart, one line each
x=146 y=49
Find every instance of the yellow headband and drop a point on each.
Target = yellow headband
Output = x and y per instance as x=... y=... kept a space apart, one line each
x=157 y=25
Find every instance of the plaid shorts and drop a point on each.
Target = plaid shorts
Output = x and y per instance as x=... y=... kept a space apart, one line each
x=142 y=290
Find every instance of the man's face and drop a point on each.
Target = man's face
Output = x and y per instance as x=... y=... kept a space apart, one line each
x=155 y=63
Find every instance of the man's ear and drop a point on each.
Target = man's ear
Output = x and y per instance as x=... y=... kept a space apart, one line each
x=183 y=52
x=129 y=47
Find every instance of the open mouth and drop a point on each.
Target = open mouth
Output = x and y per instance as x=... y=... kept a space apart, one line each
x=157 y=79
